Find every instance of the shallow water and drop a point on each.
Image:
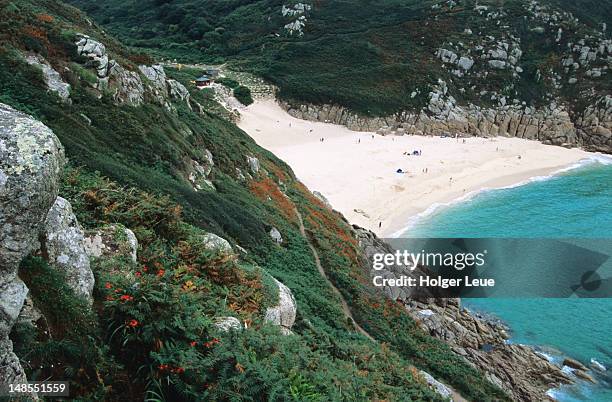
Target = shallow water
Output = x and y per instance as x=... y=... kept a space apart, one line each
x=576 y=203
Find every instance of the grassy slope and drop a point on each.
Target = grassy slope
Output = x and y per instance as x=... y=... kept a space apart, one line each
x=366 y=55
x=145 y=148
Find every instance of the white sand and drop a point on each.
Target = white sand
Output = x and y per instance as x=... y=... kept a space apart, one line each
x=357 y=172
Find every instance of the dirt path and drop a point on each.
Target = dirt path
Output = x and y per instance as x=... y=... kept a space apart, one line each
x=345 y=306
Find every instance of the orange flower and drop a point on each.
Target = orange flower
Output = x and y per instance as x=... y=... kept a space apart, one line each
x=108 y=285
x=163 y=367
x=132 y=323
x=126 y=298
x=110 y=298
x=160 y=273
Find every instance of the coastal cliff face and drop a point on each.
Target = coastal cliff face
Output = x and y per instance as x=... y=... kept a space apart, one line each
x=591 y=129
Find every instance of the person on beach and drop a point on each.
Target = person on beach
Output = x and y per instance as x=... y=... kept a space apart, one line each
x=379 y=225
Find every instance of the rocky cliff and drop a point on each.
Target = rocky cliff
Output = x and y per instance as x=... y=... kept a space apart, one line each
x=590 y=129
x=31 y=159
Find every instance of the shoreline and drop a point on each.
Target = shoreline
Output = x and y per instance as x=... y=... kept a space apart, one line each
x=357 y=171
x=413 y=220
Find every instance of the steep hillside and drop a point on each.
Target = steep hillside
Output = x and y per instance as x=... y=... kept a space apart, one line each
x=206 y=284
x=385 y=57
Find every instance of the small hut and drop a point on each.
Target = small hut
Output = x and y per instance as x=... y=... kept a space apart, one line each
x=203 y=82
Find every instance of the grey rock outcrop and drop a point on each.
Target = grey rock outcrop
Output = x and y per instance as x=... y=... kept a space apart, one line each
x=178 y=91
x=437 y=386
x=595 y=125
x=215 y=243
x=31 y=158
x=276 y=235
x=130 y=89
x=158 y=87
x=64 y=247
x=253 y=163
x=53 y=79
x=227 y=324
x=199 y=172
x=283 y=314
x=113 y=240
x=550 y=125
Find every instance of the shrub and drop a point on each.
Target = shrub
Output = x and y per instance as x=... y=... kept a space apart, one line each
x=243 y=94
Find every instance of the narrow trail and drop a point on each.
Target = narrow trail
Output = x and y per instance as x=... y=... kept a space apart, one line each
x=345 y=307
x=457 y=397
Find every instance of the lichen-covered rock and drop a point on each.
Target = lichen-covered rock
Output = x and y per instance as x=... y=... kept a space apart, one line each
x=215 y=243
x=227 y=324
x=64 y=247
x=437 y=386
x=156 y=77
x=31 y=159
x=54 y=81
x=253 y=163
x=111 y=241
x=129 y=89
x=283 y=314
x=276 y=235
x=178 y=91
x=199 y=172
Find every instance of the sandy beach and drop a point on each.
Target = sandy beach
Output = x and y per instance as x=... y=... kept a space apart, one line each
x=357 y=171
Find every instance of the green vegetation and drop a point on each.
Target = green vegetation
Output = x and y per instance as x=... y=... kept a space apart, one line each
x=368 y=56
x=150 y=333
x=243 y=94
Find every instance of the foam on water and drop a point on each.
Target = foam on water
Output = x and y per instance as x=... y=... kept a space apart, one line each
x=573 y=202
x=593 y=159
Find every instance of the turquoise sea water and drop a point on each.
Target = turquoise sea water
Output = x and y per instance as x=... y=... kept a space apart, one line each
x=576 y=203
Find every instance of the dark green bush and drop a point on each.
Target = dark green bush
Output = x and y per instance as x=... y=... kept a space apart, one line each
x=243 y=94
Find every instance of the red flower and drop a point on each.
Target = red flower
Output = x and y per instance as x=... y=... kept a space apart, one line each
x=163 y=367
x=145 y=268
x=126 y=298
x=132 y=323
x=108 y=285
x=110 y=298
x=194 y=344
x=160 y=273
x=178 y=370
x=138 y=274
